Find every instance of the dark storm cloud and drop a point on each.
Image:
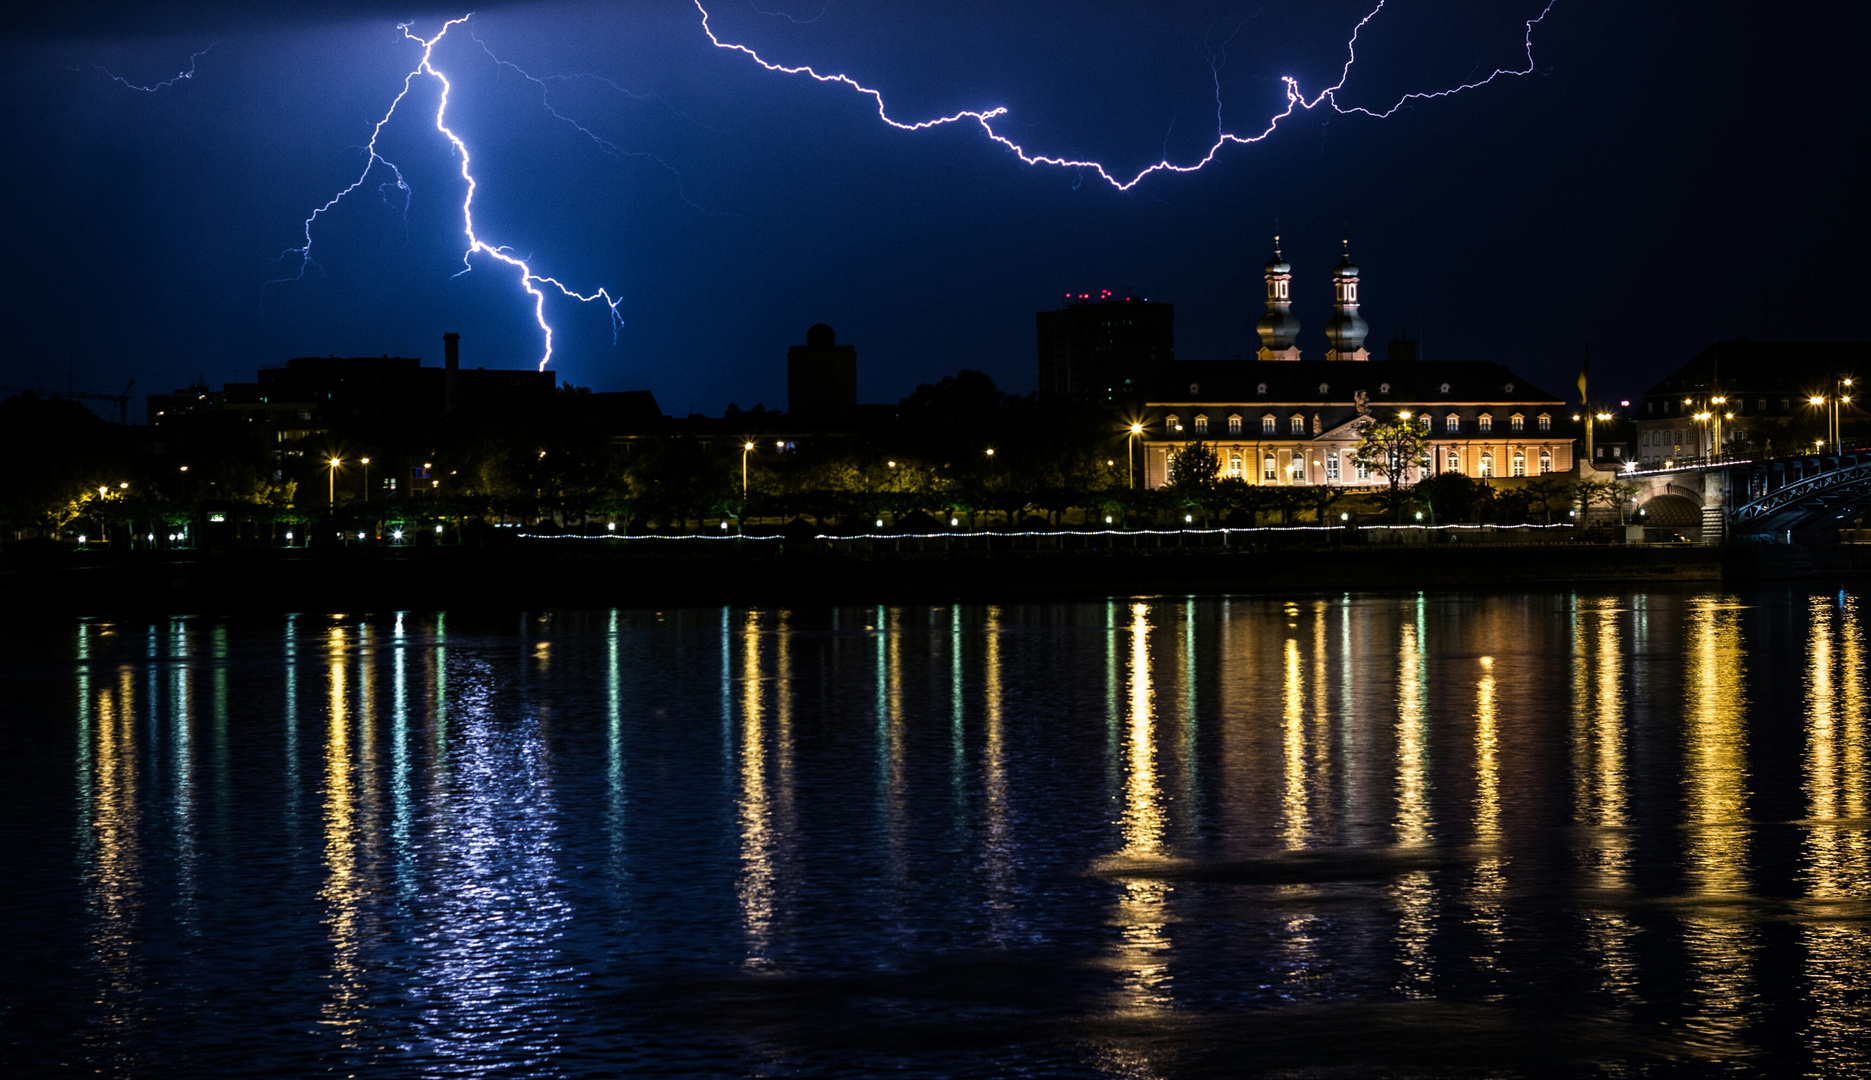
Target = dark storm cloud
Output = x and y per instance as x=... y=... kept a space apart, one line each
x=1667 y=176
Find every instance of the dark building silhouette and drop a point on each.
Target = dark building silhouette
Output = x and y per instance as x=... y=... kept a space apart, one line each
x=1764 y=392
x=821 y=378
x=1104 y=348
x=378 y=398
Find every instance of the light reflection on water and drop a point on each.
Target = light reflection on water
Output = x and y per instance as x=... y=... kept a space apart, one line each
x=1162 y=836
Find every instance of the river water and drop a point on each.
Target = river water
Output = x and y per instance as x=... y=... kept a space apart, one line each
x=1540 y=834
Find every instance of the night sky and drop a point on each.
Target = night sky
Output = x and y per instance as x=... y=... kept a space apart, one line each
x=1671 y=174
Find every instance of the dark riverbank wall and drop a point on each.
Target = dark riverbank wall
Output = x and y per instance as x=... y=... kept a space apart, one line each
x=571 y=573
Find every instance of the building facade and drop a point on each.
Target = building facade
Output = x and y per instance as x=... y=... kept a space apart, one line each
x=1758 y=398
x=1284 y=420
x=1103 y=347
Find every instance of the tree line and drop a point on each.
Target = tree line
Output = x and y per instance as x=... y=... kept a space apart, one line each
x=957 y=453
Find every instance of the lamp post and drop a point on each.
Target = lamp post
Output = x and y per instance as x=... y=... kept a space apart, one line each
x=1701 y=418
x=331 y=482
x=1130 y=456
x=1718 y=401
x=366 y=463
x=746 y=448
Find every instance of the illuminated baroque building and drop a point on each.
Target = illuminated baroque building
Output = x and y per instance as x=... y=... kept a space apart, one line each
x=1286 y=420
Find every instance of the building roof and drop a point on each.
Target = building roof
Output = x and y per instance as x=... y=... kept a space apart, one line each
x=1418 y=382
x=1795 y=368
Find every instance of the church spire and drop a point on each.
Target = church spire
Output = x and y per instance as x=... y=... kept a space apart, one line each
x=1345 y=332
x=1278 y=327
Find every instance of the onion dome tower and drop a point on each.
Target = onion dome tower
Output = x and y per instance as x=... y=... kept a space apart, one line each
x=1278 y=328
x=1345 y=331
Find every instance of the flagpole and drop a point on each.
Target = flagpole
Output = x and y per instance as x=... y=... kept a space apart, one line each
x=1585 y=402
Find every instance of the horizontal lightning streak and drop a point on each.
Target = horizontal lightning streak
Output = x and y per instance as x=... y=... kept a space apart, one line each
x=166 y=83
x=529 y=280
x=1295 y=100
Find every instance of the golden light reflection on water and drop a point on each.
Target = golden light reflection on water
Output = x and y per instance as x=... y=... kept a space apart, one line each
x=1836 y=864
x=1295 y=822
x=998 y=852
x=1719 y=942
x=1600 y=804
x=1414 y=892
x=342 y=892
x=1490 y=880
x=755 y=888
x=116 y=870
x=1143 y=949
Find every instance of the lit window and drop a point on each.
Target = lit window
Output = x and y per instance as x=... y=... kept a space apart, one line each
x=1362 y=469
x=1546 y=462
x=1298 y=424
x=1298 y=468
x=1761 y=405
x=1234 y=466
x=1516 y=422
x=1546 y=422
x=1520 y=463
x=1201 y=425
x=1487 y=463
x=1234 y=425
x=1484 y=422
x=1454 y=461
x=1171 y=423
x=1269 y=468
x=1426 y=422
x=1453 y=422
x=1331 y=468
x=1268 y=425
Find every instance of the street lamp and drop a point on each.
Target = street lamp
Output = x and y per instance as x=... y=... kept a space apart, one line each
x=331 y=484
x=1130 y=456
x=746 y=448
x=366 y=463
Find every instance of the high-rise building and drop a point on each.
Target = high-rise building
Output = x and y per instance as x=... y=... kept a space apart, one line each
x=822 y=377
x=1104 y=347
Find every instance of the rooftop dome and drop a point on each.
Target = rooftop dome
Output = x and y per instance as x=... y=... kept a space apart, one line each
x=1345 y=267
x=820 y=337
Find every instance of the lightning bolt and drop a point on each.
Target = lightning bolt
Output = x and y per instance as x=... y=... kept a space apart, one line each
x=603 y=144
x=166 y=83
x=531 y=281
x=1295 y=101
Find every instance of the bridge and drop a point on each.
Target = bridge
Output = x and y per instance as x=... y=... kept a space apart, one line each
x=1783 y=499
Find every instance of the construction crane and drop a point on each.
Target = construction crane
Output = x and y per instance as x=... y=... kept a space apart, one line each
x=122 y=401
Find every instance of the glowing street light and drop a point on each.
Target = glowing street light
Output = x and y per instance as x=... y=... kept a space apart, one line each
x=1130 y=456
x=331 y=485
x=366 y=463
x=746 y=448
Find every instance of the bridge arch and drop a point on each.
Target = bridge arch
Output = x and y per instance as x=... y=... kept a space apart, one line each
x=1672 y=509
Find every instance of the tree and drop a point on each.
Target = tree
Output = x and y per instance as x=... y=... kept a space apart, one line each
x=1390 y=448
x=1194 y=468
x=1543 y=492
x=1612 y=493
